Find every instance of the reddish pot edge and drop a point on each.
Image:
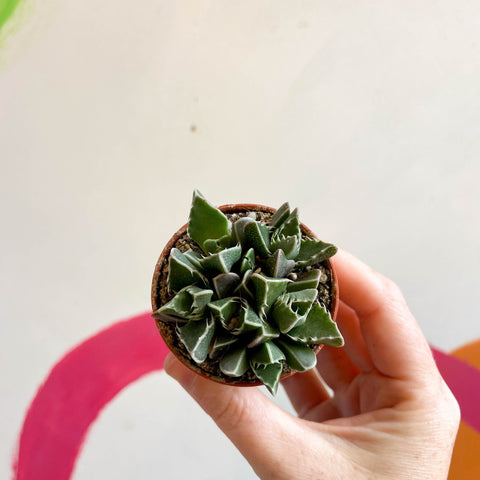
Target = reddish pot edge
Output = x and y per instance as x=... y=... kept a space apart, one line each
x=233 y=208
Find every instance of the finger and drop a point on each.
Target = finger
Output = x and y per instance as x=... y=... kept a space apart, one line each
x=322 y=412
x=305 y=391
x=336 y=368
x=256 y=426
x=393 y=338
x=347 y=321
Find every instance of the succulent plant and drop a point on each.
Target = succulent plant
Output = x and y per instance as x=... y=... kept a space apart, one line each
x=245 y=293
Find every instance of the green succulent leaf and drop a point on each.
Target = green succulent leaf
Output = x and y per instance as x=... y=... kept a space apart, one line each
x=221 y=342
x=289 y=228
x=267 y=290
x=248 y=261
x=289 y=245
x=298 y=356
x=291 y=308
x=181 y=272
x=200 y=299
x=194 y=258
x=235 y=363
x=269 y=375
x=206 y=221
x=189 y=304
x=265 y=354
x=223 y=310
x=314 y=251
x=197 y=336
x=177 y=308
x=243 y=290
x=280 y=216
x=277 y=265
x=319 y=328
x=225 y=283
x=214 y=245
x=263 y=334
x=257 y=236
x=223 y=261
x=238 y=229
x=248 y=320
x=235 y=315
x=309 y=279
x=266 y=363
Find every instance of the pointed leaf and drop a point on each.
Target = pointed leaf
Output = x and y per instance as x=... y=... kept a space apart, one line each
x=243 y=289
x=235 y=363
x=309 y=279
x=314 y=251
x=289 y=245
x=221 y=342
x=238 y=229
x=200 y=298
x=248 y=261
x=277 y=265
x=197 y=336
x=267 y=290
x=223 y=310
x=257 y=236
x=177 y=307
x=265 y=354
x=225 y=283
x=181 y=272
x=189 y=303
x=247 y=320
x=244 y=319
x=269 y=375
x=280 y=215
x=289 y=228
x=206 y=221
x=223 y=261
x=319 y=328
x=194 y=258
x=263 y=334
x=291 y=309
x=299 y=357
x=215 y=245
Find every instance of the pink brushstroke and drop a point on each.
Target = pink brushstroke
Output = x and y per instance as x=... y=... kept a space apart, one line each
x=83 y=382
x=464 y=381
x=77 y=389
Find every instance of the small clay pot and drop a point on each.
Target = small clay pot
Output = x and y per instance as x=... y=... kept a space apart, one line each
x=160 y=295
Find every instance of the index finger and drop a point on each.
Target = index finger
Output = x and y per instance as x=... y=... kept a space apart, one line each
x=394 y=340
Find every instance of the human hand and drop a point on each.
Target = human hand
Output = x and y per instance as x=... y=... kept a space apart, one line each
x=391 y=415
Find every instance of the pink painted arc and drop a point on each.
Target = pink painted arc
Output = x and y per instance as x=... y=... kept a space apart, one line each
x=86 y=379
x=77 y=389
x=464 y=381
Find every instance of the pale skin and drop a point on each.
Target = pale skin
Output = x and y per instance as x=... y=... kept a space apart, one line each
x=391 y=415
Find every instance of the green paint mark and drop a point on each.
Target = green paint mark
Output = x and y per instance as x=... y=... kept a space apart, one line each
x=7 y=7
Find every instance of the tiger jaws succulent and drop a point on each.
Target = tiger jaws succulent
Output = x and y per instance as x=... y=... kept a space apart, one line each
x=244 y=294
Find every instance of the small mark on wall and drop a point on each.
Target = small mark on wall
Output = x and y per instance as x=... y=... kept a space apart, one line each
x=193 y=128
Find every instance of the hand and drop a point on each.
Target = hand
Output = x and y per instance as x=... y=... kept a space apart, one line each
x=391 y=415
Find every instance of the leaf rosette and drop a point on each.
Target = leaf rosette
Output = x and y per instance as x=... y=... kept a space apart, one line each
x=246 y=296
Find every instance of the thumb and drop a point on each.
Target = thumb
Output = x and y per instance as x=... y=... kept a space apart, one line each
x=256 y=426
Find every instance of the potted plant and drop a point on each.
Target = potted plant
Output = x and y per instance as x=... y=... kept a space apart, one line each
x=245 y=294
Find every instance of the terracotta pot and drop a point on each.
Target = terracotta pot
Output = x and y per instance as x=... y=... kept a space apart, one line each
x=167 y=330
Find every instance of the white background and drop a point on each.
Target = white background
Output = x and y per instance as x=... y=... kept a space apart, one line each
x=365 y=115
